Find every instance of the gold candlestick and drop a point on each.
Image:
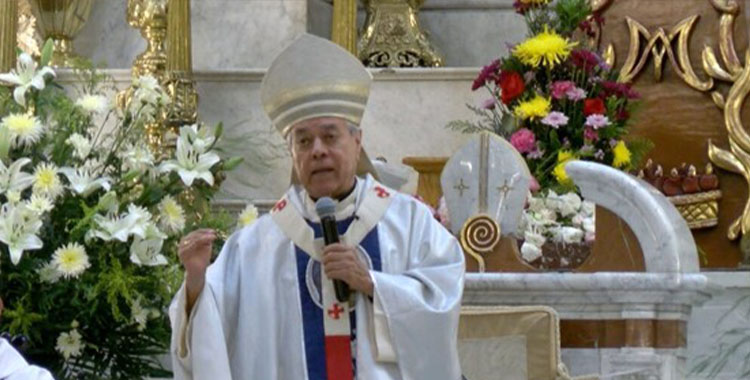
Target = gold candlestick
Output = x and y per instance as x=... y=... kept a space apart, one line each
x=8 y=28
x=179 y=83
x=150 y=16
x=344 y=28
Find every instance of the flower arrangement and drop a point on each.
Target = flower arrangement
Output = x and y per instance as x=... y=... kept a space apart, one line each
x=89 y=220
x=556 y=220
x=556 y=100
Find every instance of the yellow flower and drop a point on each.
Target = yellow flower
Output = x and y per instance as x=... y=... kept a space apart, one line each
x=563 y=156
x=622 y=155
x=546 y=48
x=247 y=216
x=46 y=181
x=535 y=108
x=171 y=216
x=71 y=260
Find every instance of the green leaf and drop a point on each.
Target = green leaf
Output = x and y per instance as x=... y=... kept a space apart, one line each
x=232 y=163
x=47 y=51
x=219 y=130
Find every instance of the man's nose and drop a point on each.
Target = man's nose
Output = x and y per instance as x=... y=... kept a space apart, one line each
x=319 y=149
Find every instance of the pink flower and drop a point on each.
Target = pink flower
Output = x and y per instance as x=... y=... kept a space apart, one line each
x=523 y=140
x=597 y=121
x=560 y=88
x=534 y=185
x=575 y=94
x=555 y=119
x=489 y=104
x=590 y=134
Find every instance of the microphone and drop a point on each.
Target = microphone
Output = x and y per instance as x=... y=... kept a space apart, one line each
x=326 y=210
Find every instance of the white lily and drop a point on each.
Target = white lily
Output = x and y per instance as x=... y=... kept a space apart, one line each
x=110 y=228
x=190 y=164
x=200 y=138
x=147 y=252
x=26 y=76
x=18 y=228
x=12 y=178
x=138 y=220
x=137 y=157
x=146 y=249
x=81 y=181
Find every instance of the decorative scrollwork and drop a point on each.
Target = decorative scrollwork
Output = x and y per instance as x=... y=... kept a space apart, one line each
x=479 y=236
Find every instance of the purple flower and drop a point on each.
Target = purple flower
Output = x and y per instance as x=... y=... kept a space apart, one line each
x=584 y=59
x=620 y=90
x=613 y=142
x=597 y=121
x=555 y=119
x=523 y=140
x=489 y=104
x=599 y=155
x=535 y=154
x=576 y=94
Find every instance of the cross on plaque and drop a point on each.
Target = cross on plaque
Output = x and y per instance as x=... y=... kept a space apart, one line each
x=461 y=187
x=505 y=188
x=335 y=311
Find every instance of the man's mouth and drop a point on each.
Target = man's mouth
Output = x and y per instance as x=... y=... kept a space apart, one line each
x=322 y=171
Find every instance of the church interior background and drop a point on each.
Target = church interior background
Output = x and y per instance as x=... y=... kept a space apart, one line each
x=646 y=304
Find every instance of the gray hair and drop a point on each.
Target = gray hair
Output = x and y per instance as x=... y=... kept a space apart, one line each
x=351 y=126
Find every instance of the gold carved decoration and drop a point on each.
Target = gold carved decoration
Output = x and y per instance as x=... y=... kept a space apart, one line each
x=728 y=68
x=479 y=235
x=658 y=44
x=150 y=16
x=392 y=36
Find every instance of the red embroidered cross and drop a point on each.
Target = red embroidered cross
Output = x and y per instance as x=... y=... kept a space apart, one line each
x=279 y=205
x=382 y=193
x=335 y=311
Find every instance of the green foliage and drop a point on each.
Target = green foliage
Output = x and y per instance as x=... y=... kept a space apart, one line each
x=570 y=14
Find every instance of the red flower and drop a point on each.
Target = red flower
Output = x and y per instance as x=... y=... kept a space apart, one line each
x=584 y=59
x=512 y=85
x=620 y=90
x=594 y=106
x=488 y=72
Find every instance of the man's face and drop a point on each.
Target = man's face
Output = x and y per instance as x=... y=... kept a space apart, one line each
x=325 y=155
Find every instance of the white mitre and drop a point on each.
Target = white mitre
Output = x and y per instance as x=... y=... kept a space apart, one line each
x=314 y=77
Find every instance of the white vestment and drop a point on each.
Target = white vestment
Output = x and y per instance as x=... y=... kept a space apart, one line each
x=258 y=316
x=14 y=367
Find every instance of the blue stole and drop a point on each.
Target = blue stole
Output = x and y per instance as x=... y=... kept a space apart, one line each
x=312 y=315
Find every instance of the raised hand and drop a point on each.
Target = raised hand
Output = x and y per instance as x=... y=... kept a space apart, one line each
x=195 y=255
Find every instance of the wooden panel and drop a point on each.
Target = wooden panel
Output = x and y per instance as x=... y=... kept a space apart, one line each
x=679 y=119
x=623 y=333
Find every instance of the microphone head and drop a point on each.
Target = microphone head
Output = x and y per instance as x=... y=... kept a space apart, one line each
x=325 y=207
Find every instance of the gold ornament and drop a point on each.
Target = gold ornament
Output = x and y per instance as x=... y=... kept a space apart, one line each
x=392 y=36
x=479 y=236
